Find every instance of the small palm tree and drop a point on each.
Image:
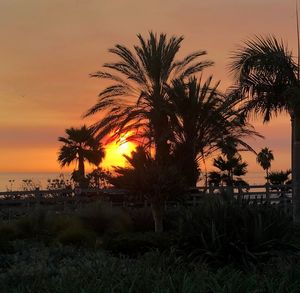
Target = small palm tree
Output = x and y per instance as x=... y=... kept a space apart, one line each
x=230 y=171
x=264 y=158
x=79 y=146
x=280 y=177
x=148 y=180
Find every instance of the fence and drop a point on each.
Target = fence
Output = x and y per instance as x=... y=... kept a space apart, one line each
x=260 y=194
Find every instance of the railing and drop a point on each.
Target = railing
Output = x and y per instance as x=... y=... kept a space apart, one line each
x=258 y=194
x=261 y=194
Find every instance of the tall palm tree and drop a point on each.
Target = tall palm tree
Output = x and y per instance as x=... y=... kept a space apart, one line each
x=205 y=120
x=79 y=146
x=264 y=158
x=268 y=82
x=137 y=101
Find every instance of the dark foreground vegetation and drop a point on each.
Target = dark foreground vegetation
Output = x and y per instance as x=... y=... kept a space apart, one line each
x=219 y=246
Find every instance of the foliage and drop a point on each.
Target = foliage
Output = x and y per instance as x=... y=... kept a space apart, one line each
x=266 y=74
x=68 y=269
x=35 y=225
x=59 y=183
x=229 y=233
x=79 y=146
x=264 y=158
x=205 y=118
x=267 y=85
x=103 y=219
x=29 y=185
x=78 y=236
x=231 y=170
x=137 y=102
x=136 y=244
x=99 y=178
x=280 y=177
x=147 y=179
x=60 y=223
x=7 y=232
x=142 y=219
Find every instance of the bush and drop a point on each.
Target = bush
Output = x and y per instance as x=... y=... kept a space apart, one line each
x=136 y=244
x=104 y=219
x=224 y=233
x=32 y=226
x=64 y=269
x=77 y=236
x=59 y=223
x=142 y=220
x=7 y=232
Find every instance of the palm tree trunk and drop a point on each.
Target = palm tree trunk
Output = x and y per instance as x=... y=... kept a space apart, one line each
x=157 y=213
x=160 y=129
x=296 y=167
x=81 y=171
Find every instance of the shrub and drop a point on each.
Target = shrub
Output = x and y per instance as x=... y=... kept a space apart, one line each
x=35 y=225
x=142 y=220
x=103 y=219
x=7 y=232
x=136 y=244
x=60 y=223
x=78 y=236
x=228 y=233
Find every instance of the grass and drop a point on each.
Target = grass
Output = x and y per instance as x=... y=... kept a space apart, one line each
x=35 y=267
x=99 y=249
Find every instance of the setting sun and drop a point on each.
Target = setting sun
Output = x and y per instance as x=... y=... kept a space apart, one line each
x=115 y=151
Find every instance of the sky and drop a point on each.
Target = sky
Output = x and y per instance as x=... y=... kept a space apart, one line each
x=49 y=48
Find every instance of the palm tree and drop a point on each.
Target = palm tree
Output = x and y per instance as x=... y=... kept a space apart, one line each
x=79 y=146
x=205 y=119
x=145 y=179
x=137 y=101
x=230 y=170
x=264 y=158
x=280 y=177
x=268 y=82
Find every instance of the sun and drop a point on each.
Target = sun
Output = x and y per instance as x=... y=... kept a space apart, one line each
x=115 y=150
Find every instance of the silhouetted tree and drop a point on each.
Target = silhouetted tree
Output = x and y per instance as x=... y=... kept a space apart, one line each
x=205 y=118
x=79 y=146
x=264 y=158
x=230 y=171
x=145 y=179
x=280 y=177
x=137 y=101
x=99 y=178
x=268 y=82
x=230 y=164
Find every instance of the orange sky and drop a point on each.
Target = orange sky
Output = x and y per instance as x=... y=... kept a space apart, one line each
x=49 y=47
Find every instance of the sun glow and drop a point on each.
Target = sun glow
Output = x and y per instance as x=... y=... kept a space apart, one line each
x=115 y=150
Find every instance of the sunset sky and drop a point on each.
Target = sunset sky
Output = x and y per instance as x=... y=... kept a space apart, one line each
x=49 y=47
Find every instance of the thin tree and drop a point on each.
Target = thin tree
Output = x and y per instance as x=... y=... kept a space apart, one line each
x=79 y=146
x=268 y=85
x=264 y=158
